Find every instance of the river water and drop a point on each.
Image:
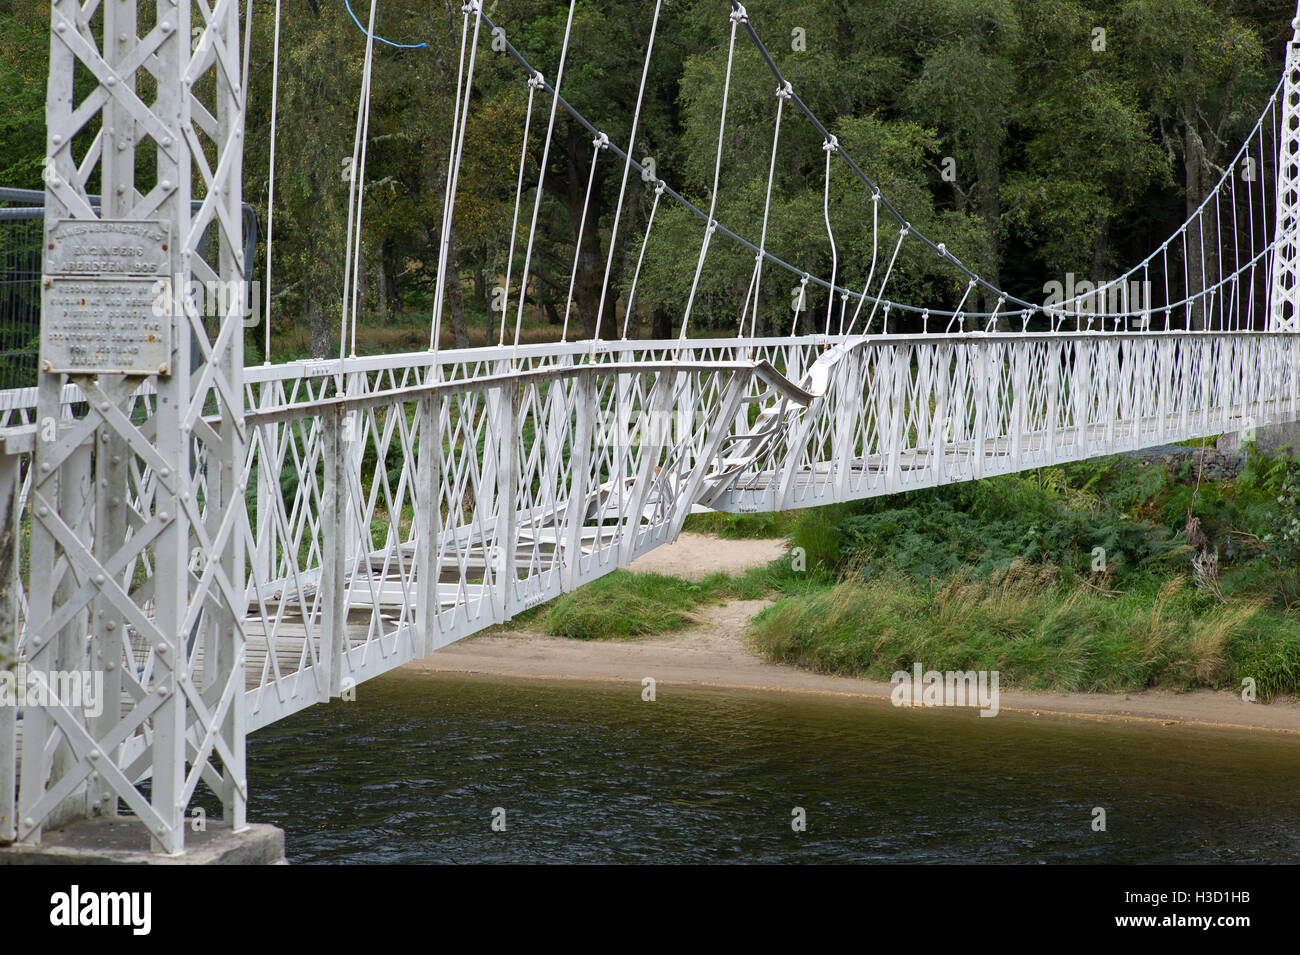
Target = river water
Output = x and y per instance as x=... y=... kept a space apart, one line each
x=418 y=768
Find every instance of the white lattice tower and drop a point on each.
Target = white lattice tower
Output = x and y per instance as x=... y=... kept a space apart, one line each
x=137 y=498
x=1284 y=313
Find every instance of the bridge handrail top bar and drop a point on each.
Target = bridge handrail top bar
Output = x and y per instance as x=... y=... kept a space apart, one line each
x=18 y=439
x=16 y=399
x=763 y=370
x=261 y=374
x=12 y=399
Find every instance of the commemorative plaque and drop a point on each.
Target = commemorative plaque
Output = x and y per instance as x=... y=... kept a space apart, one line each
x=106 y=298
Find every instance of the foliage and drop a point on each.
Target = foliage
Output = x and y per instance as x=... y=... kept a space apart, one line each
x=1003 y=574
x=624 y=604
x=24 y=55
x=742 y=526
x=1133 y=510
x=1066 y=158
x=1037 y=631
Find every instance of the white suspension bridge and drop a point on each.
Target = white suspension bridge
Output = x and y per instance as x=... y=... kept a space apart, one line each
x=231 y=545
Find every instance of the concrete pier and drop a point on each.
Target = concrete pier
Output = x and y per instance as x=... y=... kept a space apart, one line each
x=121 y=840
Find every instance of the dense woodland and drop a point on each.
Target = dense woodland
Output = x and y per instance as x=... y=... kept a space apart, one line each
x=1070 y=155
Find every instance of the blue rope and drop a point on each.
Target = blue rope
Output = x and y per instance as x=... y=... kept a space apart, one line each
x=400 y=46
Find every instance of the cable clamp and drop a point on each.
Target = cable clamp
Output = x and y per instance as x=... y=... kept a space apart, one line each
x=739 y=15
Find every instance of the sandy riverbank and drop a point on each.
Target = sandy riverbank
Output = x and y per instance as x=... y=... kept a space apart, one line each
x=717 y=653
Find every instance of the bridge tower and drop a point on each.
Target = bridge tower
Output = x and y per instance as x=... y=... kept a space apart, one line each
x=1284 y=310
x=137 y=515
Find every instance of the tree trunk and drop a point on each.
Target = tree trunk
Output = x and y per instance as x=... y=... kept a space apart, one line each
x=590 y=264
x=321 y=329
x=661 y=324
x=1193 y=158
x=989 y=204
x=586 y=290
x=389 y=281
x=455 y=295
x=1100 y=246
x=480 y=286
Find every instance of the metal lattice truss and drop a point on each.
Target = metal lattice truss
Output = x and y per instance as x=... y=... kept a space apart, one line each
x=425 y=501
x=1285 y=311
x=228 y=546
x=142 y=474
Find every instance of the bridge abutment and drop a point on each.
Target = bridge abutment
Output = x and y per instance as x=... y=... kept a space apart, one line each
x=122 y=840
x=1268 y=439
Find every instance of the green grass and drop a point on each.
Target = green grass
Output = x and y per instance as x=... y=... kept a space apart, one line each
x=624 y=605
x=1040 y=632
x=779 y=524
x=999 y=575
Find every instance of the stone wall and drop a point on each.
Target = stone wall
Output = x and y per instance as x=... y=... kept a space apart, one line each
x=1215 y=465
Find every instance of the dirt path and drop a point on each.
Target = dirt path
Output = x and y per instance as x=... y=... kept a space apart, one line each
x=717 y=653
x=695 y=556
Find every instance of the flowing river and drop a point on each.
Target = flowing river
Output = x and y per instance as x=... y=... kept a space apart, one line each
x=420 y=767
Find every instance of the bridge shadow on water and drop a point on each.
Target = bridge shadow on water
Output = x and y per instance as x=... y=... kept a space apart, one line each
x=415 y=769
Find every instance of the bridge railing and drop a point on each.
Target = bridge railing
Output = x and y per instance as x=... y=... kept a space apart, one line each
x=415 y=500
x=387 y=522
x=917 y=412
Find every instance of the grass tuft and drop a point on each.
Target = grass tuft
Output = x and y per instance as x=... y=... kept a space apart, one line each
x=1038 y=631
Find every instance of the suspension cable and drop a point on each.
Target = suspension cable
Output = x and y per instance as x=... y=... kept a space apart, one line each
x=737 y=15
x=875 y=251
x=435 y=319
x=830 y=146
x=270 y=179
x=534 y=82
x=599 y=143
x=349 y=250
x=627 y=167
x=782 y=94
x=631 y=295
x=541 y=172
x=472 y=7
x=889 y=270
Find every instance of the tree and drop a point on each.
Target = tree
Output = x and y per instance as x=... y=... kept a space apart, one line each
x=1200 y=70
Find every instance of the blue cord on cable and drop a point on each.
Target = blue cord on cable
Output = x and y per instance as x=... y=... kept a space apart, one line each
x=400 y=46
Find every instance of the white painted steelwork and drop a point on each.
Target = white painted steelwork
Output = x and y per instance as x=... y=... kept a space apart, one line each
x=230 y=545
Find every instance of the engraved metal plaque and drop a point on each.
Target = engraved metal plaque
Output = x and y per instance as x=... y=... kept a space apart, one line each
x=102 y=247
x=97 y=325
x=106 y=298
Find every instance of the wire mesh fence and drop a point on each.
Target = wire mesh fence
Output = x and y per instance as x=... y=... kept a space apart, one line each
x=20 y=291
x=22 y=226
